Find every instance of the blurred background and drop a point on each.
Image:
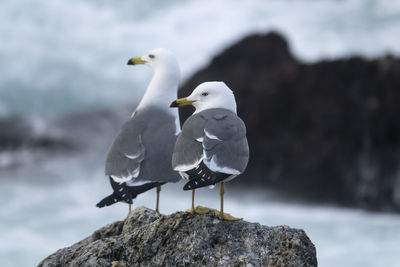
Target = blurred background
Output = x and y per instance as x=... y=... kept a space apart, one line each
x=317 y=84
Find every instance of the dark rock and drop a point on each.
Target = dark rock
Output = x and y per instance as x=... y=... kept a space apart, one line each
x=22 y=132
x=326 y=131
x=181 y=239
x=25 y=139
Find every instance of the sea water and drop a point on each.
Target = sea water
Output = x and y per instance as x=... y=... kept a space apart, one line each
x=51 y=204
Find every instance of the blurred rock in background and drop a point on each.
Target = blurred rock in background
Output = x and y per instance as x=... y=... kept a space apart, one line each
x=324 y=132
x=25 y=139
x=327 y=131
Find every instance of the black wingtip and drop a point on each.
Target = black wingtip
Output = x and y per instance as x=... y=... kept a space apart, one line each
x=100 y=205
x=187 y=187
x=108 y=201
x=195 y=183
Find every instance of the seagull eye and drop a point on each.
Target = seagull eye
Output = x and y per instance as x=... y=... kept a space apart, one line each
x=152 y=56
x=204 y=94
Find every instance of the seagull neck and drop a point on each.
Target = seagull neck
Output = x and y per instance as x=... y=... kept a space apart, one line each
x=228 y=105
x=162 y=89
x=219 y=107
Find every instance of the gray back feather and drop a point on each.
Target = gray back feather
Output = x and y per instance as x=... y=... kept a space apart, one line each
x=146 y=142
x=226 y=143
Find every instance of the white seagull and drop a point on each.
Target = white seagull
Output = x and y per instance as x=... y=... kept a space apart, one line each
x=140 y=156
x=212 y=146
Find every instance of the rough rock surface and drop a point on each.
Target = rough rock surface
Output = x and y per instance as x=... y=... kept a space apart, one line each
x=327 y=131
x=181 y=239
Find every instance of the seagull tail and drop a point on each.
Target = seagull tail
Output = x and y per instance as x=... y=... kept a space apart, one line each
x=197 y=183
x=123 y=192
x=136 y=190
x=202 y=176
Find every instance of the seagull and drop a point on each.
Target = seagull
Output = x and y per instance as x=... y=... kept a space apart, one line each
x=140 y=156
x=212 y=147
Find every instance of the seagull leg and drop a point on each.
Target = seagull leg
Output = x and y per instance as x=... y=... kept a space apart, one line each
x=192 y=209
x=221 y=214
x=193 y=199
x=129 y=211
x=221 y=195
x=198 y=209
x=158 y=189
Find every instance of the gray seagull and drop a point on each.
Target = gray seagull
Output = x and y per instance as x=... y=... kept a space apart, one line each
x=212 y=146
x=140 y=156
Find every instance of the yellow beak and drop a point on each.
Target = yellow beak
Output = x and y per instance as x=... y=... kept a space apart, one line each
x=181 y=102
x=136 y=61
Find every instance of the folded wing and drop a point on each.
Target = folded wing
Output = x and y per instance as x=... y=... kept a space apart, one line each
x=225 y=145
x=211 y=147
x=126 y=154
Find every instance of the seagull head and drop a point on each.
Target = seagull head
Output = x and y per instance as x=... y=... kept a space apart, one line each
x=209 y=95
x=159 y=58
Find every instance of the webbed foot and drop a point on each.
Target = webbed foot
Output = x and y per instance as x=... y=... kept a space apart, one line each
x=198 y=210
x=225 y=216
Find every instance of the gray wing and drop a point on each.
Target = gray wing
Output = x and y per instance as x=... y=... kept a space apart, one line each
x=188 y=151
x=126 y=153
x=218 y=138
x=225 y=144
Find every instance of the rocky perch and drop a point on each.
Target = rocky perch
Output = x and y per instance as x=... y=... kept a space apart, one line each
x=182 y=239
